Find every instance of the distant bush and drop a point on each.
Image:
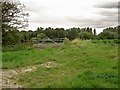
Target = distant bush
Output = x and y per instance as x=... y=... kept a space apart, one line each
x=94 y=41
x=116 y=41
x=108 y=35
x=41 y=36
x=16 y=47
x=85 y=35
x=67 y=41
x=107 y=41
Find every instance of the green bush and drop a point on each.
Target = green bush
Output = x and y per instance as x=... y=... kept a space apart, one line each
x=16 y=47
x=94 y=41
x=116 y=41
x=41 y=36
x=86 y=35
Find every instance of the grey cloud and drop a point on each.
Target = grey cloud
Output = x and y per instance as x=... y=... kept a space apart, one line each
x=108 y=19
x=101 y=23
x=107 y=5
x=109 y=13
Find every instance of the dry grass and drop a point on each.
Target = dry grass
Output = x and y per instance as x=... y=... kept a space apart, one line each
x=52 y=45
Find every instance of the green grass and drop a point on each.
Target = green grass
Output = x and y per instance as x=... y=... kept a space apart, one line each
x=81 y=64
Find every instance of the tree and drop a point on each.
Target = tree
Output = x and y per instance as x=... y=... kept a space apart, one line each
x=29 y=35
x=108 y=35
x=94 y=32
x=49 y=32
x=86 y=35
x=13 y=37
x=41 y=36
x=59 y=33
x=40 y=30
x=89 y=30
x=13 y=18
x=72 y=34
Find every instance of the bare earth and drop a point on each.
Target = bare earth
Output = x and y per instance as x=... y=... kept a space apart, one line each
x=9 y=77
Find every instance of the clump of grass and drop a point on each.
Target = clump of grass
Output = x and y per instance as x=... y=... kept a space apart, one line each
x=67 y=41
x=77 y=42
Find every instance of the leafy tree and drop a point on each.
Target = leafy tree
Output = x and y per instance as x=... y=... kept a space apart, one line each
x=59 y=33
x=29 y=35
x=85 y=35
x=23 y=36
x=71 y=34
x=41 y=36
x=107 y=35
x=12 y=37
x=94 y=31
x=13 y=18
x=49 y=32
x=40 y=30
x=89 y=30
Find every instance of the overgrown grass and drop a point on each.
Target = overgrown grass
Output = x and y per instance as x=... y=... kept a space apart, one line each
x=17 y=47
x=81 y=64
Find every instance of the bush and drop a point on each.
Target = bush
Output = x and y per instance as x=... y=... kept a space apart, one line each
x=16 y=47
x=66 y=41
x=41 y=36
x=86 y=35
x=108 y=35
x=94 y=41
x=116 y=41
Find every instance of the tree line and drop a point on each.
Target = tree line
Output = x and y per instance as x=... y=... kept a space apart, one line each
x=16 y=36
x=13 y=18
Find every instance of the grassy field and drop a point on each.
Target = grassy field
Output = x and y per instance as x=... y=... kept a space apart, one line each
x=79 y=64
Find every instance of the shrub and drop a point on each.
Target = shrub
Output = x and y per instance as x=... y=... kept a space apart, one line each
x=16 y=47
x=116 y=41
x=86 y=35
x=41 y=36
x=66 y=41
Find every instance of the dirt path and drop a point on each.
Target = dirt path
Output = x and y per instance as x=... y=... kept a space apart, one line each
x=9 y=77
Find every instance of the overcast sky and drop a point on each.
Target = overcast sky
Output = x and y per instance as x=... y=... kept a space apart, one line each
x=72 y=13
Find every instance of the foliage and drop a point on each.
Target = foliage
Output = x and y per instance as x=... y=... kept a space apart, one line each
x=13 y=18
x=108 y=35
x=72 y=34
x=85 y=35
x=41 y=36
x=94 y=31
